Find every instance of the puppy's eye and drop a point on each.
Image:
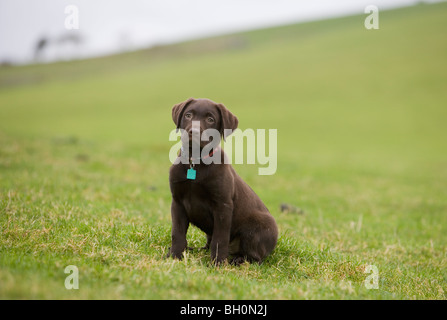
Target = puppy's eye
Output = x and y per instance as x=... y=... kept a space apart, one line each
x=188 y=116
x=210 y=120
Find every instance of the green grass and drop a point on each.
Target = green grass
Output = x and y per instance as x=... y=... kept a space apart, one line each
x=362 y=150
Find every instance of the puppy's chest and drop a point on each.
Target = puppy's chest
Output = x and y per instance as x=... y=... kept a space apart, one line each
x=198 y=202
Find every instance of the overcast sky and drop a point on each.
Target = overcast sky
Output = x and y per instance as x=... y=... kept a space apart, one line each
x=107 y=26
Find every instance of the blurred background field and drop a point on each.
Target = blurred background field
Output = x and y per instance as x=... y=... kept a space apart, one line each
x=362 y=151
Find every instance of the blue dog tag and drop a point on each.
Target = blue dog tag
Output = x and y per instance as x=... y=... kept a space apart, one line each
x=191 y=174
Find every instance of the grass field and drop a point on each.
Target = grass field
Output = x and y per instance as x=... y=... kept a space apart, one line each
x=362 y=150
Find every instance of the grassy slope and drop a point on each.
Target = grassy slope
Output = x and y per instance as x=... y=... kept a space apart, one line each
x=361 y=148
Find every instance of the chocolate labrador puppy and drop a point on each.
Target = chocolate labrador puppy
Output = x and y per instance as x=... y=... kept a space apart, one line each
x=212 y=196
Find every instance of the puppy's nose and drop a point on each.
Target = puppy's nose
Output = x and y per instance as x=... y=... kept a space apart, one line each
x=194 y=131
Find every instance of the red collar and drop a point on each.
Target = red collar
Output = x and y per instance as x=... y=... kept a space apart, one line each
x=211 y=153
x=200 y=158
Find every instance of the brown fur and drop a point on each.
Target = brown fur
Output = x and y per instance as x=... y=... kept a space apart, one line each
x=218 y=201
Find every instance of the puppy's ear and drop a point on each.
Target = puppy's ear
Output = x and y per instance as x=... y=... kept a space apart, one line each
x=227 y=121
x=177 y=111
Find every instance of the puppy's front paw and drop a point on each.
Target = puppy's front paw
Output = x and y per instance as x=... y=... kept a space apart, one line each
x=218 y=261
x=174 y=255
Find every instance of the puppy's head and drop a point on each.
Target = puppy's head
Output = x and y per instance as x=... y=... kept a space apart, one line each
x=207 y=113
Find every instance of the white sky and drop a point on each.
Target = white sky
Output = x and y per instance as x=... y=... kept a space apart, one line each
x=109 y=25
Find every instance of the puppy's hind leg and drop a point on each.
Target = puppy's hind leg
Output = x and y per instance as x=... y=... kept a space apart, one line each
x=259 y=240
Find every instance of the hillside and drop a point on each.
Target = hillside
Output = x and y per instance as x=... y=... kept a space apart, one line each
x=361 y=127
